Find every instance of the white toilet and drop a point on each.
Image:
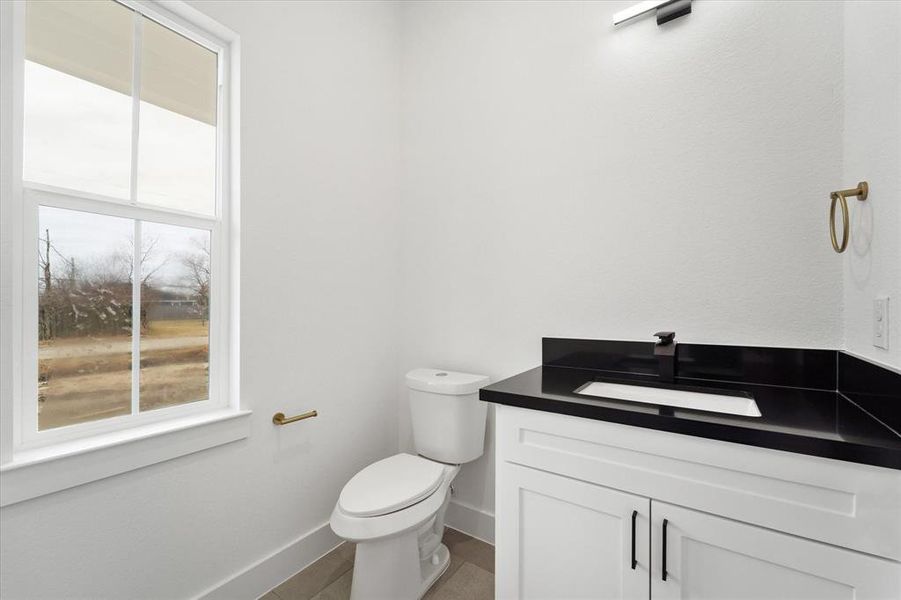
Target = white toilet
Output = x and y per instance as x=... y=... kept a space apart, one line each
x=394 y=508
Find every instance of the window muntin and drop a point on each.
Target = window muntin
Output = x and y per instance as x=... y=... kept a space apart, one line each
x=183 y=376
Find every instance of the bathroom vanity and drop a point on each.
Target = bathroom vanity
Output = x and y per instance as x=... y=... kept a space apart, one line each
x=606 y=498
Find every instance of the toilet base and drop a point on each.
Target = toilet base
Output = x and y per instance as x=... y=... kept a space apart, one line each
x=434 y=567
x=390 y=569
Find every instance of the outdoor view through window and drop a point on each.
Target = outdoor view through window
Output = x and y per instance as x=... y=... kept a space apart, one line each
x=121 y=109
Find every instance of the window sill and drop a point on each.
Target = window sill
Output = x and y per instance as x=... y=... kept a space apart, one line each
x=34 y=473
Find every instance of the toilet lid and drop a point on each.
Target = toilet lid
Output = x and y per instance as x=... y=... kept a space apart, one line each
x=389 y=485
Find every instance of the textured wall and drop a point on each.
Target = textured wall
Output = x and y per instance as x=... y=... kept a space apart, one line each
x=318 y=291
x=563 y=178
x=872 y=145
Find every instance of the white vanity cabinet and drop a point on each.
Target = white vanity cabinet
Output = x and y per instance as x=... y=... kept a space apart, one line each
x=716 y=558
x=741 y=522
x=573 y=539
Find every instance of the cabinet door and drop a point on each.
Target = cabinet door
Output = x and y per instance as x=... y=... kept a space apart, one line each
x=709 y=557
x=564 y=538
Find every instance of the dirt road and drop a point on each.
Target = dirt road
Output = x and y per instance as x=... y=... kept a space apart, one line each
x=74 y=347
x=89 y=378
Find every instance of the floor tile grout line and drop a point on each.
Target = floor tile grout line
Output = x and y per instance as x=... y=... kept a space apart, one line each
x=330 y=584
x=331 y=581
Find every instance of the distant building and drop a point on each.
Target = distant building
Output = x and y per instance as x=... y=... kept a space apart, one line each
x=174 y=309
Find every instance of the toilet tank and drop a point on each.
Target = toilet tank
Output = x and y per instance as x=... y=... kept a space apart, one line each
x=448 y=418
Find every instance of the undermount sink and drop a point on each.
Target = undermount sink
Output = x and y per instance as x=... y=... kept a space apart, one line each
x=710 y=402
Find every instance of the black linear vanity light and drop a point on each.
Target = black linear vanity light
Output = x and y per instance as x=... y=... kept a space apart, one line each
x=667 y=10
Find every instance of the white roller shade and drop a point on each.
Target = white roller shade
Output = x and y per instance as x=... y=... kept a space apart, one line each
x=93 y=40
x=178 y=74
x=86 y=39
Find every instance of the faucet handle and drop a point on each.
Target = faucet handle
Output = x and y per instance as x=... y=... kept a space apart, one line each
x=666 y=337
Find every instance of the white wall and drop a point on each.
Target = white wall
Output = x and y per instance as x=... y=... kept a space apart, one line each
x=563 y=178
x=319 y=271
x=872 y=144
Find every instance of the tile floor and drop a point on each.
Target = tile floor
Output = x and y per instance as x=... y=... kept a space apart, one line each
x=470 y=575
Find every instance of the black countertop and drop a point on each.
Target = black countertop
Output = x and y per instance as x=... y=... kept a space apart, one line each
x=817 y=422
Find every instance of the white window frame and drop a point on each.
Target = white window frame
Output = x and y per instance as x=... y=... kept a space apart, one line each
x=21 y=444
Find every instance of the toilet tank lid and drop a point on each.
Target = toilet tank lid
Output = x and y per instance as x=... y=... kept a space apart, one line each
x=439 y=381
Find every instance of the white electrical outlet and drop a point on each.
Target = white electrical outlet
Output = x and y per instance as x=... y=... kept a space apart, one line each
x=880 y=322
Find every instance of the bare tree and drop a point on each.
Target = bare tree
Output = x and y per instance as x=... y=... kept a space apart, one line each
x=46 y=263
x=197 y=264
x=53 y=290
x=121 y=264
x=96 y=297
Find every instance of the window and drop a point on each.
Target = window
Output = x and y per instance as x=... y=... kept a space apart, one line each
x=126 y=221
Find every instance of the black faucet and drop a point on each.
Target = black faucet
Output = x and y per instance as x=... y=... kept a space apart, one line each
x=665 y=351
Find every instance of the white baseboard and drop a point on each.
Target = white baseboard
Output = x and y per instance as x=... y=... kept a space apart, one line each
x=268 y=572
x=470 y=520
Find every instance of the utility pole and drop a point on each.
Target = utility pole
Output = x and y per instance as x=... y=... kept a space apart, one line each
x=47 y=279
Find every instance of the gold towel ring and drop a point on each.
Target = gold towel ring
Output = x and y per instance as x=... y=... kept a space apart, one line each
x=861 y=191
x=845 y=224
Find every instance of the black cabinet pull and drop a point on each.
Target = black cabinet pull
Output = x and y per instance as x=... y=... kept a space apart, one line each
x=634 y=516
x=663 y=564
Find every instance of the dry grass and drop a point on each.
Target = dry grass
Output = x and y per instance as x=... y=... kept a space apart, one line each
x=180 y=328
x=157 y=329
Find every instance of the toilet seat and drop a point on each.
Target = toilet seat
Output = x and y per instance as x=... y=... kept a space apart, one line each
x=390 y=485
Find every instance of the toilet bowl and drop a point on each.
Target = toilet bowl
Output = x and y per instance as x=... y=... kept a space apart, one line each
x=394 y=511
x=394 y=508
